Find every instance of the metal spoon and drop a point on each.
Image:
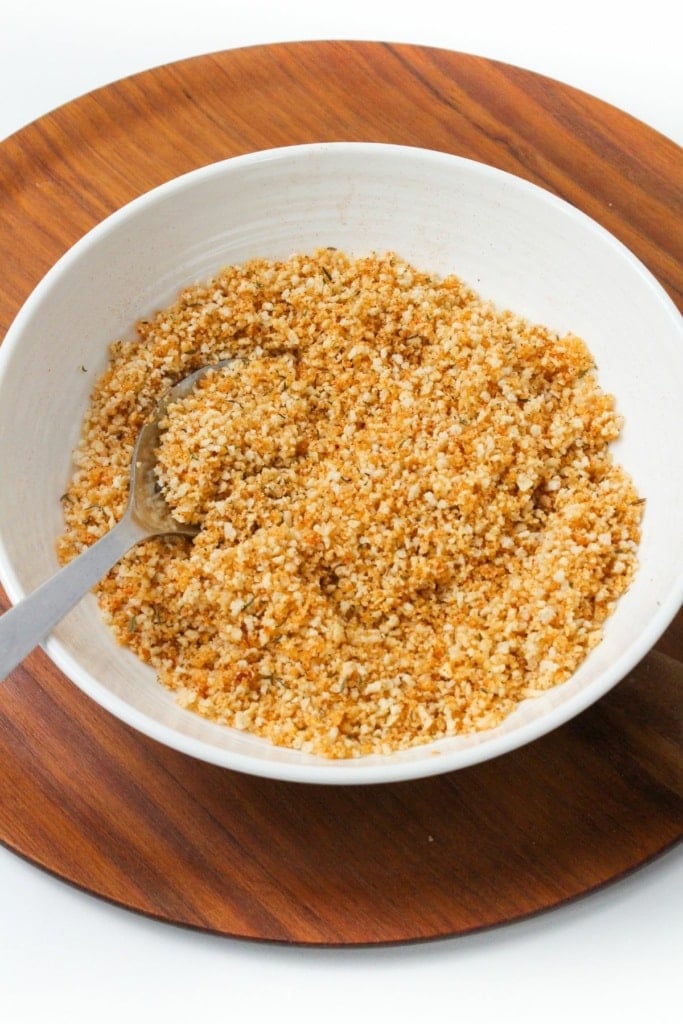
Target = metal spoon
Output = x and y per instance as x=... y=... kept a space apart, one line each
x=147 y=515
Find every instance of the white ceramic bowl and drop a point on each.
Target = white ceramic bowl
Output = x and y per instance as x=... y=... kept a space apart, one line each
x=513 y=242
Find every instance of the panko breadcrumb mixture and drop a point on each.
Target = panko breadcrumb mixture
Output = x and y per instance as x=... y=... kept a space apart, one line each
x=410 y=517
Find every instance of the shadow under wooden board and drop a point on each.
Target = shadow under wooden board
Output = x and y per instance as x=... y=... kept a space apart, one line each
x=122 y=817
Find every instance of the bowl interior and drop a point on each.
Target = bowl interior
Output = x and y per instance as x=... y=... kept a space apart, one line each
x=511 y=241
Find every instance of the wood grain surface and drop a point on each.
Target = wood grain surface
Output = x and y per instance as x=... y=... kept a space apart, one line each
x=120 y=816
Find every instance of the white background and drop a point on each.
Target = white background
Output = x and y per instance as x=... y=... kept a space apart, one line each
x=614 y=956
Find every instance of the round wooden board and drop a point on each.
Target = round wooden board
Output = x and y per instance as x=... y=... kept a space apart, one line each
x=101 y=806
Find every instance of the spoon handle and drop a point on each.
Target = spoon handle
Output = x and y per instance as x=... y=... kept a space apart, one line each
x=23 y=627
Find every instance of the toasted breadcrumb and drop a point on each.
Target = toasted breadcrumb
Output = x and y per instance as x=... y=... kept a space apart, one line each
x=410 y=516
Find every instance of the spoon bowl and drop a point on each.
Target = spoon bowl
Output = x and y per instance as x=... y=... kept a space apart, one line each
x=147 y=515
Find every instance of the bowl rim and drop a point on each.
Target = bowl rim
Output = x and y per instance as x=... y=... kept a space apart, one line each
x=369 y=769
